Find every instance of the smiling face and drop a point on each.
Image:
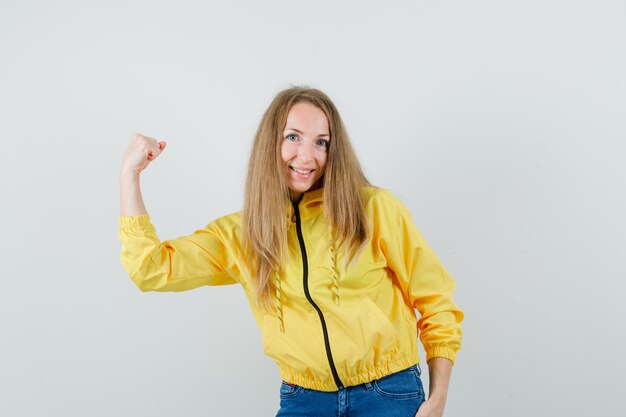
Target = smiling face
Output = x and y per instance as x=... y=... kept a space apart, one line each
x=304 y=147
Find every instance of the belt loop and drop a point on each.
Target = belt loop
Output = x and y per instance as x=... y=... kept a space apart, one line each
x=419 y=369
x=368 y=386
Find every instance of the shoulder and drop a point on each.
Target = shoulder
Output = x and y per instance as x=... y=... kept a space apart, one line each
x=377 y=199
x=228 y=226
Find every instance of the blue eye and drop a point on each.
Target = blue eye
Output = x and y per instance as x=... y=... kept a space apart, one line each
x=291 y=137
x=323 y=142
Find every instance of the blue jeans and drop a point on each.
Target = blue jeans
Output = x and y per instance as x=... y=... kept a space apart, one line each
x=398 y=395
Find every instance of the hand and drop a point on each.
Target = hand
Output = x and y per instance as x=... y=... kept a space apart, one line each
x=432 y=407
x=140 y=152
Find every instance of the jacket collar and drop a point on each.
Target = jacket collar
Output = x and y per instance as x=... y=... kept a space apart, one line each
x=312 y=197
x=311 y=203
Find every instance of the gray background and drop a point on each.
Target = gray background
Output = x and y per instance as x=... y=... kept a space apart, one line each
x=500 y=125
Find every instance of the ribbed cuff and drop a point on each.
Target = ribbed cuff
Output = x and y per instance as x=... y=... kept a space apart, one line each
x=133 y=222
x=441 y=352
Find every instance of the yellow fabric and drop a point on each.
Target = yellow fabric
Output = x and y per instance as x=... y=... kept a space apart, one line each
x=372 y=330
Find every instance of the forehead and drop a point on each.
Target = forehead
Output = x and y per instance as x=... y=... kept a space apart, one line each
x=307 y=118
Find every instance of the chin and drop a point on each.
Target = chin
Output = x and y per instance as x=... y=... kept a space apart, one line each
x=301 y=189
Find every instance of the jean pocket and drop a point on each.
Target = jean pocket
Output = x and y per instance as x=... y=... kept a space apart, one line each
x=405 y=384
x=289 y=390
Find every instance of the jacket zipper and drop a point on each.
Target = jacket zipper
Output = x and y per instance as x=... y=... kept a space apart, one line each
x=305 y=279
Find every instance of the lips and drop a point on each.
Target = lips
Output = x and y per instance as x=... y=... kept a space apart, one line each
x=301 y=171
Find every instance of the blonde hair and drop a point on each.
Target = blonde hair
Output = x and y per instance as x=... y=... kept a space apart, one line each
x=267 y=198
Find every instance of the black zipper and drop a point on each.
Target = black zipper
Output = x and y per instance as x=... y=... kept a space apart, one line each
x=305 y=279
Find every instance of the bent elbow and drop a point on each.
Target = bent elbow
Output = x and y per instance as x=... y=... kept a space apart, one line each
x=141 y=284
x=147 y=283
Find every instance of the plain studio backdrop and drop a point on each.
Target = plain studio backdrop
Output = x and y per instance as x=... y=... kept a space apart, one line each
x=499 y=124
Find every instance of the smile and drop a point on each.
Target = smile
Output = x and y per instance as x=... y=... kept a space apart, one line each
x=301 y=171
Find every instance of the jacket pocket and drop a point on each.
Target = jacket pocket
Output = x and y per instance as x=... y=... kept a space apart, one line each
x=379 y=334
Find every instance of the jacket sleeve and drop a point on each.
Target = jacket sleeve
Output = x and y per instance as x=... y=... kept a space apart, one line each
x=424 y=280
x=188 y=262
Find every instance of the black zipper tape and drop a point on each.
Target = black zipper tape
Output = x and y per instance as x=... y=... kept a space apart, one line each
x=305 y=279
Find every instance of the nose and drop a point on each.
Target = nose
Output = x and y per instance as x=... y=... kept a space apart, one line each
x=305 y=152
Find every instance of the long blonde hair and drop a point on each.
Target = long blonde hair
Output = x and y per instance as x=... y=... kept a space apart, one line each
x=267 y=199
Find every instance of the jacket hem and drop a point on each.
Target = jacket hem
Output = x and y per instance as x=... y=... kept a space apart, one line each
x=355 y=378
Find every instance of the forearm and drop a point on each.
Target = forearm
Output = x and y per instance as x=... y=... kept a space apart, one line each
x=439 y=371
x=131 y=200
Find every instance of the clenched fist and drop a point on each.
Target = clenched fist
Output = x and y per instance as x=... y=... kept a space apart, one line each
x=140 y=152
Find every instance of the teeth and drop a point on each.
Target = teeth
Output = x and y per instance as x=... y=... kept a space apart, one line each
x=301 y=171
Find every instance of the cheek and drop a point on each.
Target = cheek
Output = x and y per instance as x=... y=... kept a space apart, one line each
x=284 y=152
x=321 y=160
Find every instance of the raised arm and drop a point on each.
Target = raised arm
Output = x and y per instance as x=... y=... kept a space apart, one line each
x=206 y=257
x=140 y=152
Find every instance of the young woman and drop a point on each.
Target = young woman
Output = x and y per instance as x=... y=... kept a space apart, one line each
x=333 y=268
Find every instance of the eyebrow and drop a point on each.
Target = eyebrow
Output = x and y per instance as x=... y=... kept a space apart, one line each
x=300 y=132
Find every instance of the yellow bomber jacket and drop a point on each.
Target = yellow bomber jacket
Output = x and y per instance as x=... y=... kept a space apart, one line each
x=334 y=325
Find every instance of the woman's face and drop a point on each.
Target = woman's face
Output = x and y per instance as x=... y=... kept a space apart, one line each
x=304 y=148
